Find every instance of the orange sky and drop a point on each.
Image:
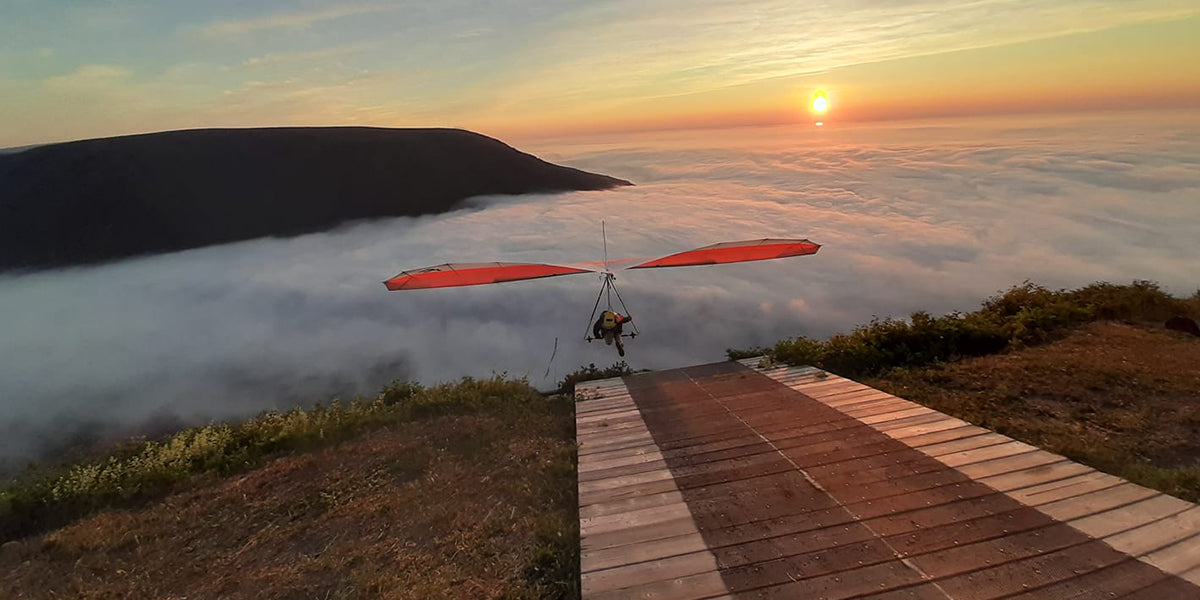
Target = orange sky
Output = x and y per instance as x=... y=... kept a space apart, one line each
x=1143 y=67
x=82 y=70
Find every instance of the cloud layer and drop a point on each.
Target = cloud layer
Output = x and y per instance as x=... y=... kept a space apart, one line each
x=913 y=218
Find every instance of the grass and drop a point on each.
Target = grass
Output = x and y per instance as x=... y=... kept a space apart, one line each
x=460 y=490
x=1122 y=398
x=472 y=505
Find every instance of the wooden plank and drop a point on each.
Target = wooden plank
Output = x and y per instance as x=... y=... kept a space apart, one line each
x=586 y=487
x=990 y=452
x=627 y=492
x=648 y=446
x=640 y=535
x=910 y=431
x=621 y=471
x=942 y=435
x=1008 y=464
x=847 y=391
x=1041 y=479
x=1125 y=577
x=600 y=462
x=603 y=447
x=606 y=430
x=962 y=444
x=789 y=374
x=851 y=400
x=830 y=389
x=926 y=419
x=1095 y=502
x=605 y=558
x=886 y=405
x=1156 y=534
x=619 y=505
x=650 y=571
x=615 y=439
x=619 y=413
x=1125 y=518
x=1191 y=575
x=693 y=587
x=898 y=416
x=589 y=409
x=1180 y=558
x=1079 y=485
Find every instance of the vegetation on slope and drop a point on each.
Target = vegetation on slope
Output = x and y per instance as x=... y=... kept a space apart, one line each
x=1088 y=373
x=1120 y=398
x=467 y=489
x=592 y=373
x=464 y=491
x=1025 y=315
x=460 y=490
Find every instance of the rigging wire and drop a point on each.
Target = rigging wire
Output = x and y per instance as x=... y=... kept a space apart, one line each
x=552 y=355
x=607 y=288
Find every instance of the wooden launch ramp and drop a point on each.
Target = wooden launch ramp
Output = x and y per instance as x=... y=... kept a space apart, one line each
x=733 y=481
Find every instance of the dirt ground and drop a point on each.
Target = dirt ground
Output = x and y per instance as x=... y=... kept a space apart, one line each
x=457 y=507
x=1122 y=398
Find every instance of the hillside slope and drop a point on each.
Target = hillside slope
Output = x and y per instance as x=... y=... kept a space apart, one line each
x=104 y=199
x=478 y=505
x=1121 y=398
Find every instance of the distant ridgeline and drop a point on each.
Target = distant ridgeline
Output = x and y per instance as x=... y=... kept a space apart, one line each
x=103 y=199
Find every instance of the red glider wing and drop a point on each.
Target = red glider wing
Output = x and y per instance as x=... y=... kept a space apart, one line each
x=731 y=252
x=451 y=275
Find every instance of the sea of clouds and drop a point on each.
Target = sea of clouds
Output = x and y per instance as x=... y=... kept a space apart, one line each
x=932 y=217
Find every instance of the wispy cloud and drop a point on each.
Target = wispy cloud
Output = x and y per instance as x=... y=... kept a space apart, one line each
x=90 y=77
x=681 y=48
x=291 y=20
x=276 y=59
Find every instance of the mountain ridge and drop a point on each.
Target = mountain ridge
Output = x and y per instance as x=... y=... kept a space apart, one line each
x=104 y=199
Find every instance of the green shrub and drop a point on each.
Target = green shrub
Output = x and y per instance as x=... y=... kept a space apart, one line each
x=1026 y=314
x=591 y=373
x=1140 y=300
x=740 y=353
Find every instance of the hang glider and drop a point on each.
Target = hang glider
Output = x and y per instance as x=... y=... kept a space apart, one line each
x=463 y=274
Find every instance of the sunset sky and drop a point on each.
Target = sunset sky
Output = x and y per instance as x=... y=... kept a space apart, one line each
x=72 y=69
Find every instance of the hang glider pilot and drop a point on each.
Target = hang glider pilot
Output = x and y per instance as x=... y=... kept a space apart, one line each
x=608 y=326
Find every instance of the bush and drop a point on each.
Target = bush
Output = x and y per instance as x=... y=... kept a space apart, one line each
x=1026 y=314
x=740 y=353
x=591 y=373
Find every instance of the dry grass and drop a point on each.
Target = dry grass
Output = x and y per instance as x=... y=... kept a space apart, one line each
x=478 y=506
x=1122 y=398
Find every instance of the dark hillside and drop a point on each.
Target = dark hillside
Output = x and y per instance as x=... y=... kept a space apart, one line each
x=103 y=199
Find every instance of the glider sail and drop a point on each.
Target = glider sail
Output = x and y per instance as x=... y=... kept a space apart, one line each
x=731 y=252
x=459 y=274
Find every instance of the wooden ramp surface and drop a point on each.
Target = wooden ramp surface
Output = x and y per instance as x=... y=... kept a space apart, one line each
x=732 y=481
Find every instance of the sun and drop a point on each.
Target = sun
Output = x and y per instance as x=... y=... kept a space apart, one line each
x=820 y=102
